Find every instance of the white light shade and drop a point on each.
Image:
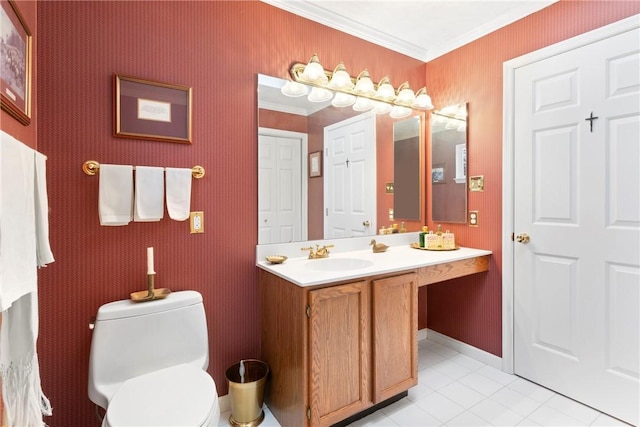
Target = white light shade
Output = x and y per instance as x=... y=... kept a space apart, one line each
x=340 y=80
x=313 y=72
x=381 y=107
x=451 y=124
x=364 y=85
x=423 y=100
x=405 y=94
x=385 y=90
x=320 y=95
x=363 y=104
x=398 y=111
x=294 y=89
x=343 y=100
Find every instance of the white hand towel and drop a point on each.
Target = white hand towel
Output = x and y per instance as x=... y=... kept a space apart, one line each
x=18 y=272
x=115 y=197
x=43 y=248
x=178 y=193
x=149 y=205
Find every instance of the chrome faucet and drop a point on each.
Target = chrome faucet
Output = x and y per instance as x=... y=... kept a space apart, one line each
x=319 y=252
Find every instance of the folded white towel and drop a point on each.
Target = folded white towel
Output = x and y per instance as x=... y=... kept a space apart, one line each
x=44 y=254
x=149 y=204
x=115 y=197
x=178 y=193
x=18 y=273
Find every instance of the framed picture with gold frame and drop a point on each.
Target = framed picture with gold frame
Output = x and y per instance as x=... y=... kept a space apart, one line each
x=15 y=63
x=152 y=110
x=315 y=164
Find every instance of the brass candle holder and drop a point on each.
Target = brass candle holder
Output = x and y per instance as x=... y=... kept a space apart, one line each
x=151 y=293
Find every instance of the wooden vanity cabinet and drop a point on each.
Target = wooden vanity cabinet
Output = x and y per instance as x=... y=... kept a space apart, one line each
x=337 y=349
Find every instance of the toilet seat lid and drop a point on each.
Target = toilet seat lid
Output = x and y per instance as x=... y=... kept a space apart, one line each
x=182 y=395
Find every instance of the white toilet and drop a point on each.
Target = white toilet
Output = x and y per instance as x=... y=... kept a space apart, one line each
x=148 y=361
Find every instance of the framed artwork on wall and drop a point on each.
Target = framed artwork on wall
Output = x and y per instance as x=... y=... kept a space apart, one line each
x=152 y=110
x=15 y=63
x=315 y=164
x=437 y=174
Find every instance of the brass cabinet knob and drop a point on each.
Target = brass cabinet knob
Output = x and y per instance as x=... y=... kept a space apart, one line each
x=366 y=223
x=523 y=238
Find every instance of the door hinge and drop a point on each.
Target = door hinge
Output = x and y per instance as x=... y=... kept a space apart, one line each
x=308 y=412
x=512 y=237
x=308 y=310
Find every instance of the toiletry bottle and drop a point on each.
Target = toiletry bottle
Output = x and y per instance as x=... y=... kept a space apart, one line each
x=431 y=240
x=425 y=229
x=403 y=229
x=448 y=240
x=439 y=234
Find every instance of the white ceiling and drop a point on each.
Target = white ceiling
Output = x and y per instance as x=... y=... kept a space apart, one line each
x=422 y=29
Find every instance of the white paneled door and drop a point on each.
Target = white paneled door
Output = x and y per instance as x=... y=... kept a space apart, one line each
x=350 y=177
x=577 y=224
x=281 y=197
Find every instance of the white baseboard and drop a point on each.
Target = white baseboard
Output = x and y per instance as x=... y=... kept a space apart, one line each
x=466 y=349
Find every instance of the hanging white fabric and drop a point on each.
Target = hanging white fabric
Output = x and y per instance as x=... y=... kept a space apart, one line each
x=24 y=246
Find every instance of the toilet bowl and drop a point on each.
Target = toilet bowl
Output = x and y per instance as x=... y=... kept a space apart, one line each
x=147 y=365
x=176 y=396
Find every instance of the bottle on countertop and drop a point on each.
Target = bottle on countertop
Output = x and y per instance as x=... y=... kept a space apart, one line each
x=431 y=240
x=425 y=229
x=403 y=229
x=448 y=240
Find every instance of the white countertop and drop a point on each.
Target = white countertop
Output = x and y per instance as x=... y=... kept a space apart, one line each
x=301 y=270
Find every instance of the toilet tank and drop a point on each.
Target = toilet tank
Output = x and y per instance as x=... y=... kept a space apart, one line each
x=135 y=338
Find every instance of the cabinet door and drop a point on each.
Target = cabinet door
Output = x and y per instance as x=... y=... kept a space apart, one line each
x=339 y=339
x=395 y=325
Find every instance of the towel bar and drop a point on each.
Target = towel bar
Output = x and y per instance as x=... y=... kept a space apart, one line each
x=92 y=167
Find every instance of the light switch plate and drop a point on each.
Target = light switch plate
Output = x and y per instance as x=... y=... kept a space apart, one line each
x=476 y=183
x=389 y=188
x=390 y=213
x=196 y=220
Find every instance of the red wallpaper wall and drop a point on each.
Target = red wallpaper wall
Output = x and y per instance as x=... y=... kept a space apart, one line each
x=217 y=48
x=470 y=309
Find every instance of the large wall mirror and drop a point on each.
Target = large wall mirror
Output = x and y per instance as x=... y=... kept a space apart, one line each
x=314 y=186
x=449 y=164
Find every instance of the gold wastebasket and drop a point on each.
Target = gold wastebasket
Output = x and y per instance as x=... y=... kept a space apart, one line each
x=247 y=380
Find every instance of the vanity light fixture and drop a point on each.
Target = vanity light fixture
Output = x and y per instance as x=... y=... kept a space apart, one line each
x=453 y=117
x=359 y=92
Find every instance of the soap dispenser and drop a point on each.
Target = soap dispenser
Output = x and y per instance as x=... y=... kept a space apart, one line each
x=425 y=230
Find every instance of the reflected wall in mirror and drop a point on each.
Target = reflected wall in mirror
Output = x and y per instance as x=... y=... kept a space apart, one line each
x=291 y=204
x=449 y=164
x=407 y=169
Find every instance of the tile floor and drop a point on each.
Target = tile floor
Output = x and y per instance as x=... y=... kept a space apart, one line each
x=456 y=390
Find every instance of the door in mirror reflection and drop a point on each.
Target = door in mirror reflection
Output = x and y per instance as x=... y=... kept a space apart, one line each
x=282 y=214
x=449 y=164
x=350 y=184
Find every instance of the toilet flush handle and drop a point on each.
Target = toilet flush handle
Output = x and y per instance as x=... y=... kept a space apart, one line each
x=92 y=323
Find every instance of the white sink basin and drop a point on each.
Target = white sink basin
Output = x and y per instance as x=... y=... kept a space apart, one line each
x=338 y=264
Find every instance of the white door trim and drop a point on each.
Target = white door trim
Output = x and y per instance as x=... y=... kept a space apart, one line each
x=508 y=173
